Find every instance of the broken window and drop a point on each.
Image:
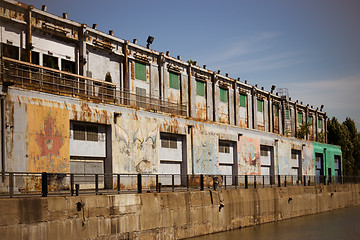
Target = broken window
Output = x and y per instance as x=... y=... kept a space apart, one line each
x=260 y=104
x=174 y=80
x=140 y=71
x=224 y=147
x=223 y=95
x=169 y=142
x=85 y=132
x=50 y=61
x=242 y=100
x=200 y=88
x=10 y=51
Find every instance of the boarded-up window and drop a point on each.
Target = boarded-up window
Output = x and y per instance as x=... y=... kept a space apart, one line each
x=276 y=110
x=300 y=118
x=260 y=105
x=85 y=132
x=242 y=100
x=224 y=147
x=287 y=114
x=168 y=142
x=310 y=120
x=140 y=71
x=174 y=80
x=223 y=95
x=200 y=88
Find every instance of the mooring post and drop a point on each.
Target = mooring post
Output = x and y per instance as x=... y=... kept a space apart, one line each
x=44 y=184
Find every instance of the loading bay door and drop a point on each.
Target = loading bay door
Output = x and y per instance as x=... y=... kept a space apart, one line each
x=267 y=162
x=319 y=164
x=296 y=163
x=227 y=165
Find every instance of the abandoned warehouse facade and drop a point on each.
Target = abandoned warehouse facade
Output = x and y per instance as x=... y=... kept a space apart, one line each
x=77 y=100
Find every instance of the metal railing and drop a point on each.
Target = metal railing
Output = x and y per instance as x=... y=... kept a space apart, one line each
x=39 y=78
x=47 y=184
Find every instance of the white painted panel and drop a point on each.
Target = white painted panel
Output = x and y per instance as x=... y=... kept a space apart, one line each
x=172 y=154
x=170 y=168
x=225 y=169
x=294 y=163
x=294 y=171
x=265 y=160
x=89 y=148
x=260 y=118
x=227 y=157
x=265 y=170
x=10 y=33
x=59 y=49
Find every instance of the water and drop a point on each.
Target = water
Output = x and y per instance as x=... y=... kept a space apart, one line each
x=336 y=224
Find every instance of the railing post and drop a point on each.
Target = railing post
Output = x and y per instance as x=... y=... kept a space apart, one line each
x=187 y=182
x=225 y=181
x=254 y=181
x=139 y=182
x=44 y=184
x=72 y=184
x=157 y=182
x=118 y=183
x=201 y=182
x=96 y=184
x=279 y=181
x=263 y=181
x=324 y=179
x=172 y=182
x=309 y=181
x=304 y=181
x=285 y=181
x=77 y=189
x=246 y=181
x=292 y=180
x=11 y=184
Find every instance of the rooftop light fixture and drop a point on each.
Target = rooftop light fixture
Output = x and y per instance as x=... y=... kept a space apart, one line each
x=149 y=41
x=273 y=88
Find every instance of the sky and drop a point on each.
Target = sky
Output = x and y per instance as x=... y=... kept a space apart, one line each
x=310 y=47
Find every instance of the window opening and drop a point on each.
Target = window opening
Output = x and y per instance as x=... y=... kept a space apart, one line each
x=140 y=71
x=223 y=95
x=200 y=88
x=174 y=80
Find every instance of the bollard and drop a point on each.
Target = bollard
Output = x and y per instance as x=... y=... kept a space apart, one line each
x=159 y=187
x=44 y=184
x=157 y=182
x=201 y=182
x=172 y=182
x=254 y=181
x=77 y=188
x=246 y=181
x=304 y=181
x=139 y=182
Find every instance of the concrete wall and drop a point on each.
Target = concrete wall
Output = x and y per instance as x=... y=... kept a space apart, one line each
x=165 y=215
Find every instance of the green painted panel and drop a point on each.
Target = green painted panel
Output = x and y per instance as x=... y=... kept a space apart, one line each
x=329 y=152
x=140 y=71
x=300 y=118
x=310 y=120
x=260 y=105
x=276 y=110
x=287 y=114
x=223 y=95
x=242 y=100
x=174 y=80
x=319 y=123
x=200 y=88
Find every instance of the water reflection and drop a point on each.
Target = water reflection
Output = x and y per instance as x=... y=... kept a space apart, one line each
x=337 y=224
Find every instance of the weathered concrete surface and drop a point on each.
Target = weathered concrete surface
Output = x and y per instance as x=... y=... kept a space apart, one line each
x=165 y=215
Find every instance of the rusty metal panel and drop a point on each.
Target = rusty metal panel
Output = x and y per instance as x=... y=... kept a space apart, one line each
x=249 y=155
x=48 y=131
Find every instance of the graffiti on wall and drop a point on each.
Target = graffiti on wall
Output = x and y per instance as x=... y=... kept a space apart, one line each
x=249 y=156
x=136 y=144
x=205 y=147
x=48 y=139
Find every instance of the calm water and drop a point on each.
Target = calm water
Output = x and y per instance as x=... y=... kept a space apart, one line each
x=337 y=224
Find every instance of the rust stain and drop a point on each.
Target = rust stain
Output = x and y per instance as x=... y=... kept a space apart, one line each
x=50 y=141
x=132 y=67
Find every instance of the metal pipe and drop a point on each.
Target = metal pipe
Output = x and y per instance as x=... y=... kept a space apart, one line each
x=3 y=156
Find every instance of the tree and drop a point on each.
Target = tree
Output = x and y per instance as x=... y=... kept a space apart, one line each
x=346 y=136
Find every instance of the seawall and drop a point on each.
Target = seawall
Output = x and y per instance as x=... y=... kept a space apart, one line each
x=165 y=215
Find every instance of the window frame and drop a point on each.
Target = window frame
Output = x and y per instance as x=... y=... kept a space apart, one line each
x=260 y=101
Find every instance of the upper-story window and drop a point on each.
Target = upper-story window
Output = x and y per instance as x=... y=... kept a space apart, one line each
x=10 y=51
x=140 y=71
x=223 y=95
x=174 y=80
x=50 y=61
x=200 y=88
x=85 y=132
x=242 y=100
x=276 y=110
x=300 y=116
x=260 y=105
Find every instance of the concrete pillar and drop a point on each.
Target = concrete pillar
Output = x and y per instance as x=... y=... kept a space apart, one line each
x=215 y=100
x=249 y=110
x=126 y=66
x=161 y=64
x=28 y=33
x=184 y=90
x=307 y=120
x=236 y=105
x=270 y=114
x=192 y=93
x=254 y=108
x=209 y=101
x=231 y=103
x=266 y=115
x=82 y=50
x=216 y=97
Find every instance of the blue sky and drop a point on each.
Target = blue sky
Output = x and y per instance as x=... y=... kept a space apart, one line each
x=310 y=47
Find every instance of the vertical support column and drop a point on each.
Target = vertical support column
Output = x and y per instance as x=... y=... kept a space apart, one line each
x=139 y=183
x=316 y=125
x=270 y=114
x=191 y=93
x=209 y=101
x=126 y=66
x=201 y=182
x=82 y=50
x=44 y=184
x=215 y=97
x=254 y=108
x=307 y=121
x=325 y=129
x=161 y=67
x=231 y=105
x=3 y=138
x=28 y=34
